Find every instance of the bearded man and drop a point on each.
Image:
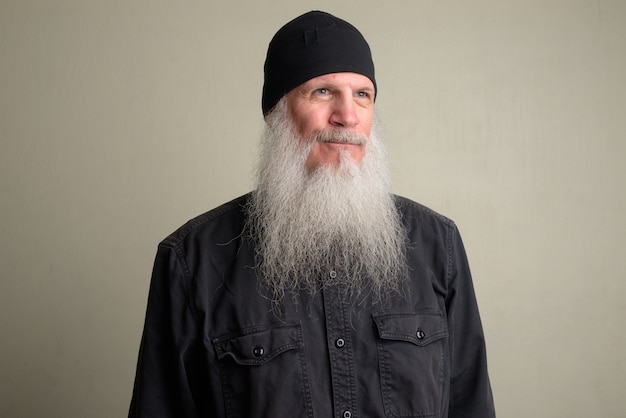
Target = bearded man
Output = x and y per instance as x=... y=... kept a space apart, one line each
x=319 y=294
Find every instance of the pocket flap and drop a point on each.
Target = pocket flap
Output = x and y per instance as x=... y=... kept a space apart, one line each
x=420 y=328
x=258 y=345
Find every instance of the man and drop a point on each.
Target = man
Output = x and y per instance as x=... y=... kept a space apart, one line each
x=320 y=294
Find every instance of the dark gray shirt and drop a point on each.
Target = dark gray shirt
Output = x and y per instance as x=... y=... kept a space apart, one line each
x=213 y=346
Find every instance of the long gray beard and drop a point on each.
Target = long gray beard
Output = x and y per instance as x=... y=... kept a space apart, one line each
x=336 y=217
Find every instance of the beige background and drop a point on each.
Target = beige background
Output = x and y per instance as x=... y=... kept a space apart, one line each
x=120 y=120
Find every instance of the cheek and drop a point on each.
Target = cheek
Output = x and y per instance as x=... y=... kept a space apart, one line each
x=367 y=119
x=304 y=120
x=307 y=127
x=311 y=120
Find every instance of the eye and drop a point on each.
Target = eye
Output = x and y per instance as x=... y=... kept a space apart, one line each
x=363 y=94
x=322 y=91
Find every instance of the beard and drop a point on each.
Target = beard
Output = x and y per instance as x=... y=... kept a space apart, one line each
x=336 y=217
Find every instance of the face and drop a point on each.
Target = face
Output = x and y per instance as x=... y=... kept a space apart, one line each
x=333 y=102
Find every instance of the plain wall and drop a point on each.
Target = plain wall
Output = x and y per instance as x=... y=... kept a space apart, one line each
x=120 y=120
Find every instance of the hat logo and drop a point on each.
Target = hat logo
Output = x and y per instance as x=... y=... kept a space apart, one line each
x=311 y=37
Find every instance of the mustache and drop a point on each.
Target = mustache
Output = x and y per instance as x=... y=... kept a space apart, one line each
x=342 y=137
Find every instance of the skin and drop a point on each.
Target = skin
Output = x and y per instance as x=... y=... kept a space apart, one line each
x=337 y=101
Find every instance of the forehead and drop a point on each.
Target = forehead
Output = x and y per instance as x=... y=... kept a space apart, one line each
x=353 y=80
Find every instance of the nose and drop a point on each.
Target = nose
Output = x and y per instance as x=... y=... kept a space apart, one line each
x=344 y=113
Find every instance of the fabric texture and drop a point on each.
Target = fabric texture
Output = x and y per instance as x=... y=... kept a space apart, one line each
x=311 y=45
x=213 y=347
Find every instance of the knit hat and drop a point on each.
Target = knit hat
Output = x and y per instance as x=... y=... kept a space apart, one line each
x=311 y=45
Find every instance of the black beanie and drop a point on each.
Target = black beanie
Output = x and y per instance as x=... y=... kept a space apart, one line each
x=311 y=45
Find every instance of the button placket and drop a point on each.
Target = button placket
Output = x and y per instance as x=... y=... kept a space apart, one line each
x=337 y=313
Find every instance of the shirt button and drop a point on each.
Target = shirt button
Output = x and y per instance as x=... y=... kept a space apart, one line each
x=420 y=334
x=347 y=414
x=340 y=343
x=258 y=351
x=333 y=274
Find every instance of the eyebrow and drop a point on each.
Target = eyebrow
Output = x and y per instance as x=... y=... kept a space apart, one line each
x=367 y=88
x=332 y=85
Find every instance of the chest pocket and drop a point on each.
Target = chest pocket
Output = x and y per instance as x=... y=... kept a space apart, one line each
x=411 y=361
x=263 y=371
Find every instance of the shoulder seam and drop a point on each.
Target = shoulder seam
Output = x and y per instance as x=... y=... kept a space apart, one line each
x=181 y=233
x=400 y=200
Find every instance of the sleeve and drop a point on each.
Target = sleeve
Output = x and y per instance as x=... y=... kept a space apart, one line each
x=470 y=389
x=171 y=354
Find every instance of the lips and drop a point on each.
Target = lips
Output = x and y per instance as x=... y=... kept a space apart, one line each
x=339 y=137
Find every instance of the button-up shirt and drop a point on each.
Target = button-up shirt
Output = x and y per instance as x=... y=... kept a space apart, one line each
x=214 y=345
